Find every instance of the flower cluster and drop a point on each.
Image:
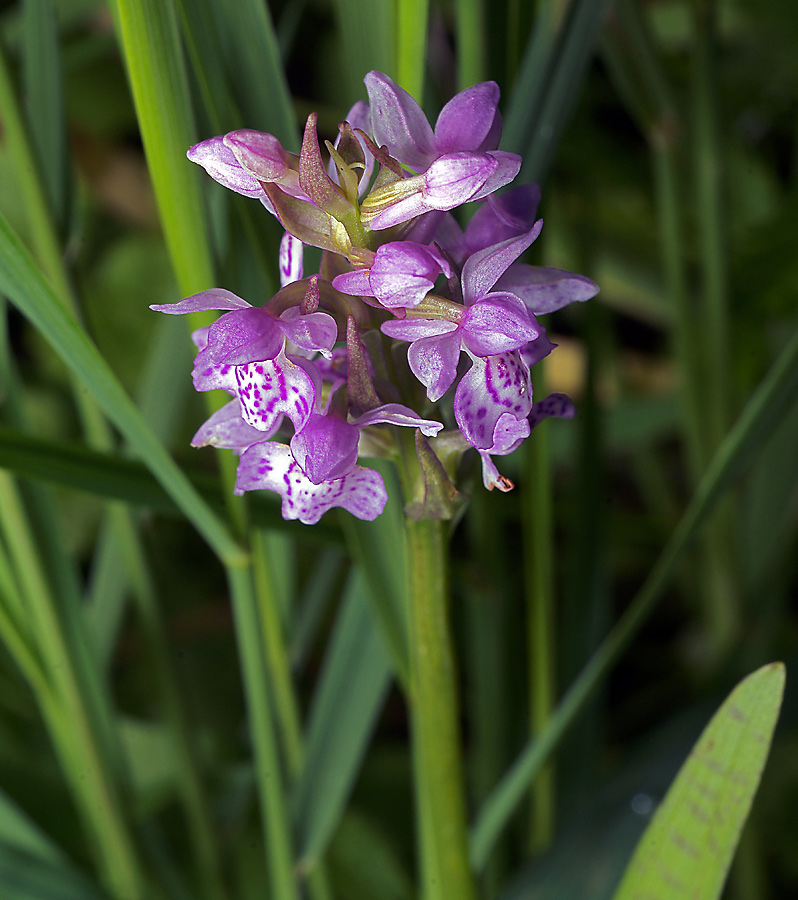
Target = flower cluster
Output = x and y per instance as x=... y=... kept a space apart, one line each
x=396 y=267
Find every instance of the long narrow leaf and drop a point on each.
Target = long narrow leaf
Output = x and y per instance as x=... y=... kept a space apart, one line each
x=687 y=849
x=45 y=99
x=21 y=281
x=348 y=699
x=755 y=425
x=159 y=85
x=119 y=478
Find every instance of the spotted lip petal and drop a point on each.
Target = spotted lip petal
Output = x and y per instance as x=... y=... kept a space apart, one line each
x=492 y=387
x=272 y=467
x=274 y=388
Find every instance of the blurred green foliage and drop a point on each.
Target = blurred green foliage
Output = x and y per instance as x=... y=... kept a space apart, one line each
x=664 y=134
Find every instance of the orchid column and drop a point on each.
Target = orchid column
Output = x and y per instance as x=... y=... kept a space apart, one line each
x=318 y=377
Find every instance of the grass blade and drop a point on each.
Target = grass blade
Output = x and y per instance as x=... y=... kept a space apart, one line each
x=45 y=100
x=21 y=281
x=762 y=414
x=347 y=702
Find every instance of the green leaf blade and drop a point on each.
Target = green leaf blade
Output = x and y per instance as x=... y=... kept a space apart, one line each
x=687 y=849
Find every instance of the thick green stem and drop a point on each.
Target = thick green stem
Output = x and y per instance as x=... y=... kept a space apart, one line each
x=437 y=755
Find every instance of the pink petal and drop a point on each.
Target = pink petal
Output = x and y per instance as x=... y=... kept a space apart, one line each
x=396 y=414
x=497 y=324
x=326 y=448
x=221 y=164
x=225 y=429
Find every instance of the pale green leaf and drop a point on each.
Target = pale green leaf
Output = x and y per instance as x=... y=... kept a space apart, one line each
x=687 y=849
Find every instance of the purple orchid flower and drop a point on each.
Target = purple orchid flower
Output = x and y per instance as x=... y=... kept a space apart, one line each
x=490 y=322
x=243 y=353
x=279 y=363
x=469 y=122
x=401 y=275
x=495 y=413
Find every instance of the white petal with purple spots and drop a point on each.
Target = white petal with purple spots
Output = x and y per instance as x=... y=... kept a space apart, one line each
x=272 y=467
x=271 y=389
x=492 y=387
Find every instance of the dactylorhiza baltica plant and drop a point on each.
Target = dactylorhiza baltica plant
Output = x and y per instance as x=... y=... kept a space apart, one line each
x=407 y=308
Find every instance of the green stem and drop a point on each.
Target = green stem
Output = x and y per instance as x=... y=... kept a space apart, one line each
x=436 y=739
x=276 y=658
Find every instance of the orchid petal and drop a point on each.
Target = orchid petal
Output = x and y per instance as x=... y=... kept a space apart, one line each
x=273 y=388
x=537 y=349
x=502 y=217
x=221 y=164
x=497 y=324
x=545 y=289
x=291 y=255
x=325 y=448
x=508 y=165
x=214 y=298
x=315 y=331
x=456 y=177
x=270 y=466
x=416 y=329
x=483 y=269
x=433 y=361
x=492 y=387
x=558 y=406
x=355 y=283
x=260 y=154
x=398 y=122
x=226 y=430
x=244 y=336
x=492 y=477
x=404 y=272
x=466 y=122
x=396 y=414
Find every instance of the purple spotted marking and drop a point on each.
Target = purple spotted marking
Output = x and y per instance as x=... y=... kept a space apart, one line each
x=493 y=387
x=273 y=389
x=361 y=492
